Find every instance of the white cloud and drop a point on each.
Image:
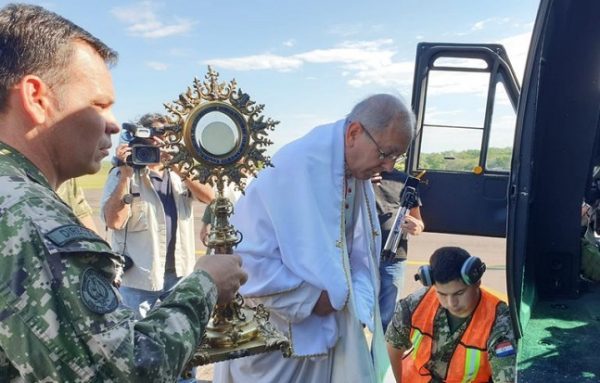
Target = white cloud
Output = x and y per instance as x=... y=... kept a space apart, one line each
x=434 y=114
x=454 y=83
x=483 y=24
x=158 y=66
x=517 y=48
x=142 y=20
x=448 y=83
x=479 y=25
x=398 y=74
x=351 y=52
x=362 y=62
x=289 y=43
x=365 y=63
x=258 y=62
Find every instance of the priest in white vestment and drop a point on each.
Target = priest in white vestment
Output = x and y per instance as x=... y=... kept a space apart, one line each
x=311 y=248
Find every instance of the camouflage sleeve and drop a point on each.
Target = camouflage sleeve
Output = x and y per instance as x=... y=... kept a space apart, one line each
x=398 y=331
x=7 y=371
x=61 y=318
x=73 y=195
x=171 y=333
x=502 y=348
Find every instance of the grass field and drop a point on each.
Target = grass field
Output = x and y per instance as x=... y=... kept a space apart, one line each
x=95 y=181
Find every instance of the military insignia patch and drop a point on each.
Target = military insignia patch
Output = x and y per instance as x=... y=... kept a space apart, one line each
x=69 y=233
x=504 y=349
x=96 y=292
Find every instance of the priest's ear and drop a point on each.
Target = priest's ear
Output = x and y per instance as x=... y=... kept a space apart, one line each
x=353 y=131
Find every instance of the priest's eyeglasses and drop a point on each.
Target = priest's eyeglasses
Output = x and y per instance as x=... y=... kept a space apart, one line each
x=383 y=155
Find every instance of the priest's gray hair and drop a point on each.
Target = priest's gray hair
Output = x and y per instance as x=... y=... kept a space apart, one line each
x=380 y=111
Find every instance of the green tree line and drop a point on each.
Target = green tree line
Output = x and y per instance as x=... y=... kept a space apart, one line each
x=497 y=159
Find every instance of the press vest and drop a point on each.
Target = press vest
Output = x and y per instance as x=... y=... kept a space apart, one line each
x=469 y=362
x=145 y=238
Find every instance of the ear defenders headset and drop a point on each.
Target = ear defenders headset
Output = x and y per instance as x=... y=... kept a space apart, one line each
x=471 y=272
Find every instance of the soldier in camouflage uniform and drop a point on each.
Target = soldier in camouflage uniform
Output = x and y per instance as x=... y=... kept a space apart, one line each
x=72 y=193
x=61 y=319
x=457 y=303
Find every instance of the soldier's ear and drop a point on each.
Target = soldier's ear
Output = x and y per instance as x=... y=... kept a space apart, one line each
x=34 y=97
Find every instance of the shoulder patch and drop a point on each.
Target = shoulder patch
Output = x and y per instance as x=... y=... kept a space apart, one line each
x=504 y=349
x=96 y=292
x=70 y=233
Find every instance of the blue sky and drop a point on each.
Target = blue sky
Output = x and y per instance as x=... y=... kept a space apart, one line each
x=308 y=61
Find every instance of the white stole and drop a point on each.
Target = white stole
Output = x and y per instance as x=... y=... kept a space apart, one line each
x=292 y=219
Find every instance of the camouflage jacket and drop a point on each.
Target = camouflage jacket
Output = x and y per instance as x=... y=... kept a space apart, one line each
x=503 y=363
x=61 y=319
x=72 y=194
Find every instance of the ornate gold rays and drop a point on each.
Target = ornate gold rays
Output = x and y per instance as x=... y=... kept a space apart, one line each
x=218 y=134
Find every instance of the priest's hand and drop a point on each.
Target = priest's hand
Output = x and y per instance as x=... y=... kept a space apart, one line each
x=323 y=306
x=226 y=272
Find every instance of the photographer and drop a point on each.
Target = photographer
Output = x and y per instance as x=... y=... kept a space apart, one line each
x=150 y=212
x=388 y=187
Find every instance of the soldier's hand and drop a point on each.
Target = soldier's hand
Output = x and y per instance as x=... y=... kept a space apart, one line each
x=226 y=271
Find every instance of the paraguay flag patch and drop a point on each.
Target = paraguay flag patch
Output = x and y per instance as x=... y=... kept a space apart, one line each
x=504 y=349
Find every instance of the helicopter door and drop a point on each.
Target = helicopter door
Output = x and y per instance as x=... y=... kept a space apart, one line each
x=465 y=99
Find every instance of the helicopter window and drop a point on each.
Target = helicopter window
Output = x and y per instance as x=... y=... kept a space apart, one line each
x=502 y=132
x=453 y=120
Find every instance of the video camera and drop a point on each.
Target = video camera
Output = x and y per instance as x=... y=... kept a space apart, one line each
x=408 y=199
x=138 y=138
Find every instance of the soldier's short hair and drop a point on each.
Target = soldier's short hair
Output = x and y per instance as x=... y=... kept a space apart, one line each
x=446 y=263
x=35 y=41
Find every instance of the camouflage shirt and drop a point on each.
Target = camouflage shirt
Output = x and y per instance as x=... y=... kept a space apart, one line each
x=73 y=195
x=61 y=319
x=445 y=341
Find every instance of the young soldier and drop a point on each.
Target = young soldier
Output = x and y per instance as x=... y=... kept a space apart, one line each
x=452 y=330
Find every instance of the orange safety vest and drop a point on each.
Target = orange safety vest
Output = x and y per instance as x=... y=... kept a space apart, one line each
x=469 y=363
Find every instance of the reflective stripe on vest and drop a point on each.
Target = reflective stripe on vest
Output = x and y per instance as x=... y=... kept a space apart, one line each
x=415 y=340
x=469 y=362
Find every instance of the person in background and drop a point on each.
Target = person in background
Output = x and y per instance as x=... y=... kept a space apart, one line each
x=232 y=194
x=149 y=210
x=452 y=330
x=388 y=188
x=73 y=195
x=60 y=314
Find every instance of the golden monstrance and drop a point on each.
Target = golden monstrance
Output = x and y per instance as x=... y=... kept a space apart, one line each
x=218 y=136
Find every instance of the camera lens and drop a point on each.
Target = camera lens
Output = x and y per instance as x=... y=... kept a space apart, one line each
x=145 y=154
